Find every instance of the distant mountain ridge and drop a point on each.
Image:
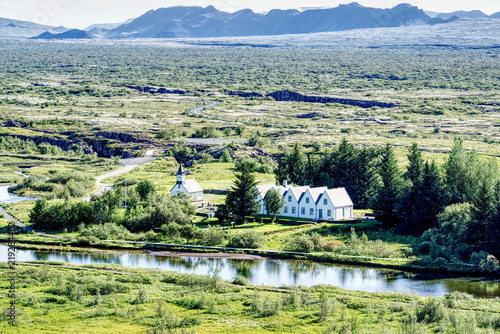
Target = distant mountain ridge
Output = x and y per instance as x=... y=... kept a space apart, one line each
x=179 y=22
x=198 y=22
x=10 y=28
x=70 y=34
x=473 y=14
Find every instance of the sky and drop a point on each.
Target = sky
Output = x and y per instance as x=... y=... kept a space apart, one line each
x=82 y=13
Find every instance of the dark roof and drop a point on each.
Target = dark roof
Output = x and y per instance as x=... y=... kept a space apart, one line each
x=181 y=170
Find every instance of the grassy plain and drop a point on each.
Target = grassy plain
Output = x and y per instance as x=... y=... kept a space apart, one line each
x=116 y=299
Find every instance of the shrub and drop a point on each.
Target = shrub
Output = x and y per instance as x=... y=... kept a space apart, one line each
x=265 y=306
x=106 y=231
x=432 y=311
x=240 y=280
x=142 y=296
x=213 y=235
x=485 y=262
x=302 y=243
x=247 y=239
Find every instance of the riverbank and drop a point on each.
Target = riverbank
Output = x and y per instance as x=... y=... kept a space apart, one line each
x=113 y=299
x=39 y=243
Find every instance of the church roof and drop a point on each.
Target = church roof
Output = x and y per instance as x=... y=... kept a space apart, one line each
x=181 y=170
x=192 y=186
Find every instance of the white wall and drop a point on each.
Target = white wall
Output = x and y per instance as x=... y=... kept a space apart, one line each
x=326 y=207
x=290 y=205
x=308 y=207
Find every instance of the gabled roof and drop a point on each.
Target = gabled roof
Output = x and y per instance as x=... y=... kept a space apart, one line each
x=314 y=192
x=339 y=197
x=298 y=191
x=192 y=186
x=264 y=188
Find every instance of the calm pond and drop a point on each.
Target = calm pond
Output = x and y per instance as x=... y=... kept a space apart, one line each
x=282 y=272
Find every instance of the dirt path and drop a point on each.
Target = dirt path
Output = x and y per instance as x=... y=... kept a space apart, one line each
x=127 y=165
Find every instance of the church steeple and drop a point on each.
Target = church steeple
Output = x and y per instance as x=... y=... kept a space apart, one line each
x=181 y=175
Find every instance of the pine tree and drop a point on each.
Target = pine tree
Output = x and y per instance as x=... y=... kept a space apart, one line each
x=418 y=209
x=274 y=203
x=415 y=169
x=296 y=166
x=364 y=179
x=388 y=194
x=483 y=214
x=241 y=200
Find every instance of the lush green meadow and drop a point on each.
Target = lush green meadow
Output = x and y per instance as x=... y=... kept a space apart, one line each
x=115 y=299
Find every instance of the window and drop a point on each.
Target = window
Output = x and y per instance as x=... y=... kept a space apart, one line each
x=303 y=211
x=307 y=200
x=311 y=212
x=286 y=209
x=325 y=201
x=343 y=212
x=329 y=213
x=294 y=210
x=289 y=198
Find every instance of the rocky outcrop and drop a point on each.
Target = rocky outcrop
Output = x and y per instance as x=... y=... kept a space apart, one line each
x=104 y=144
x=244 y=94
x=14 y=124
x=287 y=95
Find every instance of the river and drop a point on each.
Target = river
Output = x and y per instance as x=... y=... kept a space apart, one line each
x=282 y=272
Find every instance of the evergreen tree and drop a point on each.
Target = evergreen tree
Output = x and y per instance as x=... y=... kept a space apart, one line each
x=483 y=213
x=415 y=169
x=388 y=194
x=343 y=163
x=274 y=203
x=293 y=167
x=364 y=179
x=296 y=166
x=241 y=200
x=418 y=210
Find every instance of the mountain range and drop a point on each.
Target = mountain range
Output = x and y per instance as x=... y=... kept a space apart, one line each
x=193 y=21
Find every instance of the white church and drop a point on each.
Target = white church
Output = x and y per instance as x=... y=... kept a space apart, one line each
x=310 y=203
x=190 y=187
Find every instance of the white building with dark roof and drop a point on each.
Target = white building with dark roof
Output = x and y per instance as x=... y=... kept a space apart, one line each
x=190 y=187
x=310 y=203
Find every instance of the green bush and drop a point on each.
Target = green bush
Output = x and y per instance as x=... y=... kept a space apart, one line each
x=432 y=311
x=240 y=280
x=247 y=239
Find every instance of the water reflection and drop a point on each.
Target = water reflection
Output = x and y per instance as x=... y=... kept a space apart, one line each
x=6 y=197
x=281 y=272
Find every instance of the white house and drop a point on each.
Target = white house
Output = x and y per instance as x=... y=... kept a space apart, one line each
x=307 y=203
x=310 y=203
x=292 y=197
x=334 y=204
x=190 y=187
